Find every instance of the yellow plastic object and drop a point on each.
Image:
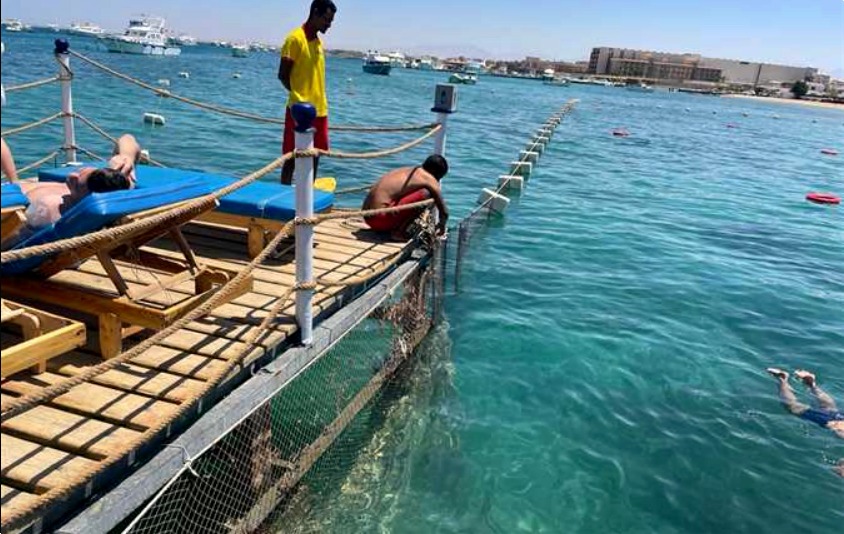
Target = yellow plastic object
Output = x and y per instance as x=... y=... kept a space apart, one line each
x=327 y=184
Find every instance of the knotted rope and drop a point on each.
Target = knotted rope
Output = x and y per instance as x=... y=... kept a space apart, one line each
x=31 y=125
x=31 y=85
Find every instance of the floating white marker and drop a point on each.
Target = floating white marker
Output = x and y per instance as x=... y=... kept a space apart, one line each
x=528 y=155
x=544 y=139
x=155 y=119
x=184 y=74
x=533 y=146
x=164 y=82
x=521 y=168
x=497 y=203
x=511 y=182
x=236 y=75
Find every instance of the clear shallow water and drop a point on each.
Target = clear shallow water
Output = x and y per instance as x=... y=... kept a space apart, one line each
x=603 y=368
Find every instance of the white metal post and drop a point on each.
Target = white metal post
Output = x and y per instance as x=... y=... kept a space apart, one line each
x=441 y=137
x=303 y=179
x=66 y=78
x=445 y=103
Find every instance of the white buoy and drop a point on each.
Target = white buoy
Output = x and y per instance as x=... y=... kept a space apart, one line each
x=521 y=168
x=155 y=119
x=164 y=82
x=184 y=74
x=497 y=203
x=236 y=75
x=533 y=146
x=544 y=139
x=529 y=155
x=516 y=183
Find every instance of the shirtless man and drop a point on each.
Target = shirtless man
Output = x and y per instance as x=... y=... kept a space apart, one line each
x=403 y=186
x=826 y=415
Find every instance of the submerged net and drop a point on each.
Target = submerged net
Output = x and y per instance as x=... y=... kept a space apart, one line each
x=303 y=442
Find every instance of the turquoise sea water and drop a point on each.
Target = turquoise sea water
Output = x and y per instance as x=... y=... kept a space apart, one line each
x=602 y=368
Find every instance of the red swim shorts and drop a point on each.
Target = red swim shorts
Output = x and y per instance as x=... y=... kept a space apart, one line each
x=394 y=221
x=320 y=136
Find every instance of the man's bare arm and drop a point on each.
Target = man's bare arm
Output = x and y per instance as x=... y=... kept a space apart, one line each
x=8 y=163
x=285 y=67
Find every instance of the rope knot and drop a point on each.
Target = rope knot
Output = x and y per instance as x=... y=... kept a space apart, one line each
x=306 y=221
x=306 y=286
x=306 y=153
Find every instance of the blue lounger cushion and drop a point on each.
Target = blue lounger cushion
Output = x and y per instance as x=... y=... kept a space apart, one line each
x=263 y=200
x=11 y=196
x=98 y=210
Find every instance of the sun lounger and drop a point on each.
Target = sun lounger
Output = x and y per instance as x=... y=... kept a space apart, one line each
x=261 y=208
x=30 y=278
x=42 y=336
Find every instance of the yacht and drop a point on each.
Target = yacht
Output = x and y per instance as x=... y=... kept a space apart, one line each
x=240 y=50
x=640 y=87
x=426 y=63
x=14 y=25
x=185 y=40
x=560 y=82
x=85 y=28
x=145 y=35
x=397 y=60
x=375 y=63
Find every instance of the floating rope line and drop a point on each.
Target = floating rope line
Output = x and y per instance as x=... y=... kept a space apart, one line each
x=31 y=85
x=234 y=112
x=31 y=125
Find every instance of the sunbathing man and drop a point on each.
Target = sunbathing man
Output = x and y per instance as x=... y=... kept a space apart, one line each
x=826 y=414
x=407 y=186
x=47 y=201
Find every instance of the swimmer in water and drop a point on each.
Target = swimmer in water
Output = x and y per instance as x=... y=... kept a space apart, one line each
x=826 y=415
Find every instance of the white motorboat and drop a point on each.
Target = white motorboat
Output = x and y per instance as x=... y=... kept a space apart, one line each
x=240 y=50
x=375 y=63
x=397 y=60
x=640 y=87
x=146 y=36
x=466 y=78
x=426 y=63
x=85 y=28
x=185 y=40
x=14 y=25
x=560 y=82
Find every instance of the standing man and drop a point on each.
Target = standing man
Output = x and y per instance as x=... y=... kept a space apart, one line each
x=302 y=72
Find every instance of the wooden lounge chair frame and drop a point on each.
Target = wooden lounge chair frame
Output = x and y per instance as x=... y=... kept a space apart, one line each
x=128 y=306
x=259 y=231
x=45 y=336
x=11 y=221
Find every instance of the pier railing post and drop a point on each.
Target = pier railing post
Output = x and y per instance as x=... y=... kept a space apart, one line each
x=66 y=76
x=445 y=103
x=303 y=178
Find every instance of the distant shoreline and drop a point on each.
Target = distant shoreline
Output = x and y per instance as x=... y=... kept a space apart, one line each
x=809 y=103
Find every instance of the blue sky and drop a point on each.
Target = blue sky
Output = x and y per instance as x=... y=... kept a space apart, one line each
x=804 y=32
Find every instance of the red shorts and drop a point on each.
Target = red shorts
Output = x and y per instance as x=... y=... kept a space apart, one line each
x=394 y=221
x=320 y=136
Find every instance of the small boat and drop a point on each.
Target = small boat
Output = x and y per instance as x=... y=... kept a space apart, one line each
x=374 y=63
x=240 y=50
x=86 y=29
x=144 y=36
x=397 y=60
x=466 y=78
x=559 y=82
x=640 y=87
x=185 y=40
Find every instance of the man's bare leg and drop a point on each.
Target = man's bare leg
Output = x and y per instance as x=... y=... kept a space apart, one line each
x=787 y=396
x=839 y=469
x=824 y=400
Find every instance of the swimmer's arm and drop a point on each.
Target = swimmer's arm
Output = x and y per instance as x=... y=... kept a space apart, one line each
x=8 y=163
x=435 y=191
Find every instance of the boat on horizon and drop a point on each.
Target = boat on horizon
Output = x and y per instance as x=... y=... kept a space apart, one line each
x=640 y=87
x=465 y=78
x=144 y=36
x=185 y=40
x=240 y=50
x=15 y=25
x=375 y=63
x=85 y=29
x=558 y=82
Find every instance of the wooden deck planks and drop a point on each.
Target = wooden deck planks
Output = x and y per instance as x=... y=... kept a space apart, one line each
x=60 y=440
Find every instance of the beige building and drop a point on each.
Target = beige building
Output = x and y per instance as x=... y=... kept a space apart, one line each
x=689 y=67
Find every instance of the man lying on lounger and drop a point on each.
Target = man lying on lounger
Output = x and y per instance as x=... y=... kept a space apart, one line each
x=47 y=201
x=403 y=186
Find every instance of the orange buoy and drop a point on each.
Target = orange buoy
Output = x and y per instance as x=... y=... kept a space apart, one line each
x=823 y=198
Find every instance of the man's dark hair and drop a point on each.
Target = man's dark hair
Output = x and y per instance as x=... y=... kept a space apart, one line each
x=107 y=180
x=319 y=7
x=436 y=165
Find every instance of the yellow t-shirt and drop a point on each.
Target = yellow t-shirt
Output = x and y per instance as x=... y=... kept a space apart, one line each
x=307 y=78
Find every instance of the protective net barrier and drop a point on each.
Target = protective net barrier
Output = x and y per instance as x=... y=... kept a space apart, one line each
x=303 y=441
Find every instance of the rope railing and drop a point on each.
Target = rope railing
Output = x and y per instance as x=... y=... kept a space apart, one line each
x=31 y=85
x=234 y=112
x=35 y=164
x=32 y=125
x=107 y=136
